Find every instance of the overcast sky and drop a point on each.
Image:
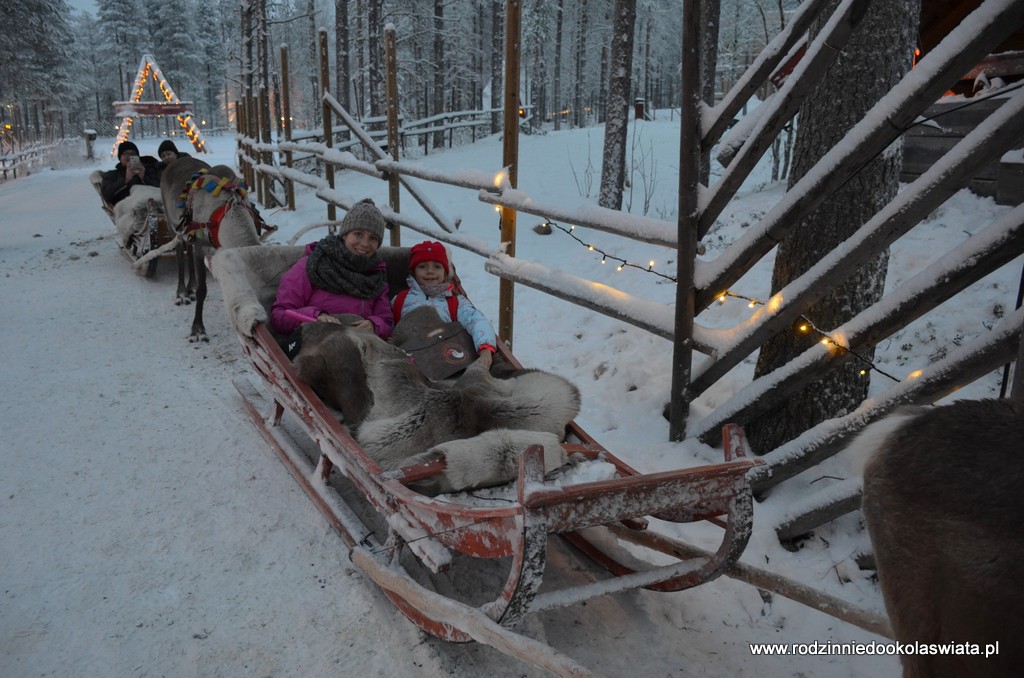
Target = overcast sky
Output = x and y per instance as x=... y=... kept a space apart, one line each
x=84 y=5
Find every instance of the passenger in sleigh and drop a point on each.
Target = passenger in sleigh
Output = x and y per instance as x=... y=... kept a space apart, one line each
x=132 y=189
x=168 y=153
x=430 y=286
x=340 y=274
x=131 y=170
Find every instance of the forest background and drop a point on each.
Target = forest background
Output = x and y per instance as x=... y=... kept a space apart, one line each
x=61 y=68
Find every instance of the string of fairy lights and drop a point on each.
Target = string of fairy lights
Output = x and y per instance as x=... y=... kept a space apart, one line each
x=806 y=324
x=605 y=256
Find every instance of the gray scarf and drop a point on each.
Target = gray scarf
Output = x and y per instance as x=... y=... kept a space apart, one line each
x=334 y=268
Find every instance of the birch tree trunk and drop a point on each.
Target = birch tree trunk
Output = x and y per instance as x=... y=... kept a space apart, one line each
x=578 y=115
x=314 y=66
x=877 y=56
x=375 y=45
x=438 y=65
x=557 y=98
x=497 y=62
x=613 y=166
x=343 y=68
x=710 y=14
x=361 y=89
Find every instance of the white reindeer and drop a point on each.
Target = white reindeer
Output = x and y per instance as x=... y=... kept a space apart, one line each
x=214 y=213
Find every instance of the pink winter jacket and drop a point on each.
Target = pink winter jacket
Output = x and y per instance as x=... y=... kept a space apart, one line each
x=297 y=293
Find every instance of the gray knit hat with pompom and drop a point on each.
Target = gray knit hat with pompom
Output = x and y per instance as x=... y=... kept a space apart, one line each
x=364 y=216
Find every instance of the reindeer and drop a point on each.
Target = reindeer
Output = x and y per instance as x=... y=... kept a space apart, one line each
x=214 y=213
x=944 y=508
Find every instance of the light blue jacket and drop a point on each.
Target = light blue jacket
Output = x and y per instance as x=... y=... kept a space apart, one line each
x=468 y=315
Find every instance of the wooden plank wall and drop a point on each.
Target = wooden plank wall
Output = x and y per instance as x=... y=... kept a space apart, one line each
x=950 y=121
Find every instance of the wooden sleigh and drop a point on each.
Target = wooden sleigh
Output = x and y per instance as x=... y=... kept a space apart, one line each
x=157 y=232
x=435 y=528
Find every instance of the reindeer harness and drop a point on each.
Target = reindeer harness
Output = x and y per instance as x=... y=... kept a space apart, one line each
x=213 y=185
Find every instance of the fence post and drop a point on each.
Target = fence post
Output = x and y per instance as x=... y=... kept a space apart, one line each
x=243 y=166
x=391 y=89
x=325 y=86
x=252 y=123
x=286 y=111
x=257 y=154
x=687 y=220
x=510 y=159
x=266 y=156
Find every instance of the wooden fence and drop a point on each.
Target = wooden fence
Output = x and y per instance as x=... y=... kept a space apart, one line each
x=28 y=158
x=702 y=282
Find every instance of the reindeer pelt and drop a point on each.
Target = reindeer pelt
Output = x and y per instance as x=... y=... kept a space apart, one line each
x=943 y=506
x=130 y=214
x=249 y=277
x=491 y=458
x=397 y=415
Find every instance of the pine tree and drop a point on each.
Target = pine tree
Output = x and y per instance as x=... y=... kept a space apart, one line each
x=877 y=56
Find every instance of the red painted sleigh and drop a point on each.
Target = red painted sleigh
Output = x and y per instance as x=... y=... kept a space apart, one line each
x=434 y=528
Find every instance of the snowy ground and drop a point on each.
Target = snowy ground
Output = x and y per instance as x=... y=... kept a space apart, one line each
x=148 y=530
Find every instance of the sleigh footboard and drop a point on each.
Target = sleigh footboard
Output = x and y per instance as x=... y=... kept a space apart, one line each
x=689 y=495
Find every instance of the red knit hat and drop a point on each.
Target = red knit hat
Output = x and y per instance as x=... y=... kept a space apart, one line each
x=428 y=251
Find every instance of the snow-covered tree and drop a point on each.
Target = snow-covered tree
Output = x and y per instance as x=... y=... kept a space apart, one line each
x=35 y=49
x=615 y=132
x=878 y=55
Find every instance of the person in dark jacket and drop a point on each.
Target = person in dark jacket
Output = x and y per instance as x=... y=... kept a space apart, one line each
x=168 y=152
x=131 y=170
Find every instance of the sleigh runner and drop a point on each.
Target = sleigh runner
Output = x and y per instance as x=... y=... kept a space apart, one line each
x=436 y=528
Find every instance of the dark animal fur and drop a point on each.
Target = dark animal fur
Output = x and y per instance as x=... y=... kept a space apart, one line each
x=944 y=508
x=397 y=415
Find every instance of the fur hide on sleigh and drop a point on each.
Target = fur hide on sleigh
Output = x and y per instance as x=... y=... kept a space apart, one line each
x=479 y=423
x=130 y=217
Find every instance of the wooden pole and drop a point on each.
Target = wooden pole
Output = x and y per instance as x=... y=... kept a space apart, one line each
x=687 y=220
x=391 y=85
x=286 y=112
x=250 y=135
x=470 y=620
x=325 y=86
x=510 y=159
x=240 y=129
x=266 y=156
x=766 y=581
x=257 y=154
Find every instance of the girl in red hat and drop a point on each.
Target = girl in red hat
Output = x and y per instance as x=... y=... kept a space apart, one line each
x=429 y=285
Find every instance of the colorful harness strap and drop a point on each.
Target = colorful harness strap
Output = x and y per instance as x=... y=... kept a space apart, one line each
x=213 y=185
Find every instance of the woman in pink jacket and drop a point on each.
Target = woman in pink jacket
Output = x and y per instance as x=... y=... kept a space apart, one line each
x=339 y=274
